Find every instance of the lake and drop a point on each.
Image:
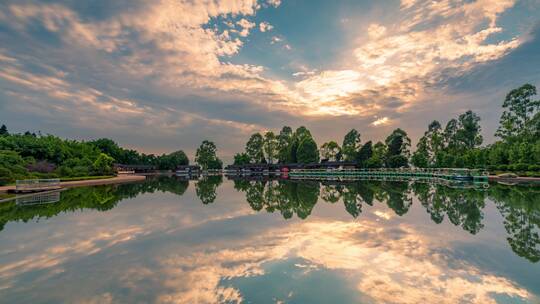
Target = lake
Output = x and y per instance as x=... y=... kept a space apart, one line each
x=215 y=240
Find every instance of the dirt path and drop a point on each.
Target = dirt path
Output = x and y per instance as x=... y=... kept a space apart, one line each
x=115 y=180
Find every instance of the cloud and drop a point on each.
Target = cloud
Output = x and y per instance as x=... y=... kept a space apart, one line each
x=89 y=65
x=383 y=121
x=265 y=27
x=274 y=3
x=276 y=39
x=246 y=26
x=388 y=265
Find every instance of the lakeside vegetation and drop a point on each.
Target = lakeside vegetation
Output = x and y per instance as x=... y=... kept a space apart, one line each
x=31 y=155
x=457 y=145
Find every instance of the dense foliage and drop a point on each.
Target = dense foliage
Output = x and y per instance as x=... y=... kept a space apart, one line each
x=287 y=147
x=458 y=144
x=206 y=156
x=32 y=155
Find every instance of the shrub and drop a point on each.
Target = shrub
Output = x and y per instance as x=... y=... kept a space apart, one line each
x=534 y=168
x=5 y=176
x=521 y=167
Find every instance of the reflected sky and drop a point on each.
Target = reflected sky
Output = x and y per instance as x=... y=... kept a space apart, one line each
x=220 y=241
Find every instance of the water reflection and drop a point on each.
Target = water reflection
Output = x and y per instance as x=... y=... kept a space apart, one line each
x=518 y=205
x=216 y=241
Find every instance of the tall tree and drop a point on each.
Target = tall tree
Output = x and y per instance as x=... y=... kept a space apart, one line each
x=429 y=146
x=351 y=145
x=519 y=109
x=206 y=156
x=468 y=132
x=301 y=134
x=330 y=151
x=254 y=148
x=284 y=144
x=307 y=151
x=364 y=154
x=270 y=146
x=420 y=157
x=398 y=144
x=378 y=156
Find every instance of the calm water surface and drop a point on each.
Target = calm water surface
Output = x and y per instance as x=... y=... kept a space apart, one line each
x=169 y=240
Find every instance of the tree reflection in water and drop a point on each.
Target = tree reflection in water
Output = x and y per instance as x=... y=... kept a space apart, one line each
x=101 y=198
x=206 y=188
x=518 y=205
x=520 y=208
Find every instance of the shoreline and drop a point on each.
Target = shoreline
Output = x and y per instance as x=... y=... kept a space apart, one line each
x=91 y=182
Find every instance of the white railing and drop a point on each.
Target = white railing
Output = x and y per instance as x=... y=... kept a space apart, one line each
x=37 y=184
x=39 y=199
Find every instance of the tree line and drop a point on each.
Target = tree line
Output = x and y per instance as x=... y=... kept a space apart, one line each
x=458 y=144
x=31 y=155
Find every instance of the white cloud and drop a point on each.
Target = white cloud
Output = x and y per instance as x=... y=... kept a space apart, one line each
x=246 y=26
x=276 y=39
x=274 y=3
x=383 y=121
x=265 y=27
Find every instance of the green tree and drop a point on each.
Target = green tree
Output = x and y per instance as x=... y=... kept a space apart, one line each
x=299 y=136
x=103 y=164
x=3 y=130
x=398 y=144
x=241 y=159
x=173 y=160
x=206 y=156
x=284 y=144
x=270 y=146
x=378 y=156
x=519 y=109
x=429 y=146
x=206 y=188
x=420 y=157
x=307 y=151
x=364 y=154
x=330 y=151
x=254 y=148
x=351 y=145
x=449 y=134
x=468 y=131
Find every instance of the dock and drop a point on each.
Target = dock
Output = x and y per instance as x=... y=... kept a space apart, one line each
x=431 y=173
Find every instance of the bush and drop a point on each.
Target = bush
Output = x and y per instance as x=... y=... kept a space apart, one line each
x=534 y=168
x=520 y=167
x=397 y=161
x=5 y=176
x=501 y=167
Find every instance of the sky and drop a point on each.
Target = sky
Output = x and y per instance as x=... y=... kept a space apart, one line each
x=160 y=76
